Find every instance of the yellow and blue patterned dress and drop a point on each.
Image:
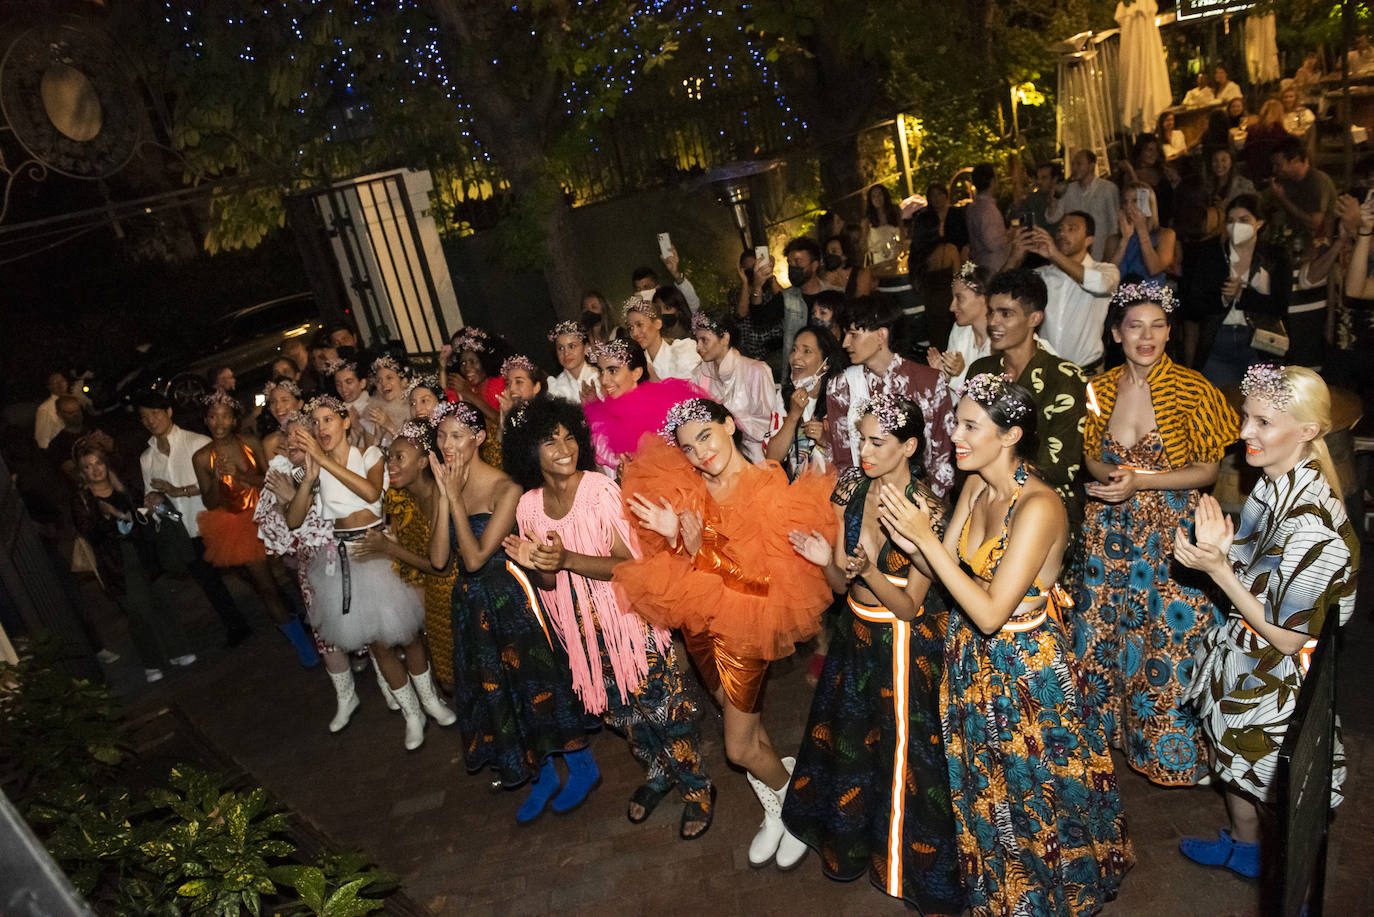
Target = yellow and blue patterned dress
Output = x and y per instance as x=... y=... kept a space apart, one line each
x=1038 y=816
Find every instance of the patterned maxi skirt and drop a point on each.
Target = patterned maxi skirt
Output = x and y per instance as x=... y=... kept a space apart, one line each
x=1137 y=622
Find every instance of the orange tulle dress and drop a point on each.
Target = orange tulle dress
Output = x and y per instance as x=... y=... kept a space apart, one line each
x=230 y=534
x=746 y=597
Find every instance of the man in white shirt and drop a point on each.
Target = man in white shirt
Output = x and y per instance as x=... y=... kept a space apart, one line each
x=1090 y=194
x=579 y=379
x=1223 y=88
x=169 y=483
x=1078 y=288
x=1201 y=94
x=46 y=422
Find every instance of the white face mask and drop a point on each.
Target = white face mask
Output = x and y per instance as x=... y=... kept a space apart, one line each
x=1241 y=233
x=646 y=295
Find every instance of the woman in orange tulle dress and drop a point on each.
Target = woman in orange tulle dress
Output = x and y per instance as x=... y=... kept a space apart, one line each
x=719 y=564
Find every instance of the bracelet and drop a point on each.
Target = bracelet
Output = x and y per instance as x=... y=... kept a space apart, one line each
x=1366 y=232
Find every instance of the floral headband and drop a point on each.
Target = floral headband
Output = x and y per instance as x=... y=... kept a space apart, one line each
x=986 y=389
x=693 y=410
x=329 y=402
x=387 y=361
x=892 y=410
x=1131 y=294
x=703 y=322
x=427 y=380
x=334 y=367
x=293 y=389
x=641 y=305
x=610 y=353
x=470 y=338
x=1268 y=383
x=460 y=411
x=417 y=432
x=518 y=361
x=568 y=327
x=221 y=398
x=967 y=276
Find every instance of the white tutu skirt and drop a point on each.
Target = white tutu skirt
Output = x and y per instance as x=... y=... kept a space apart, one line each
x=382 y=607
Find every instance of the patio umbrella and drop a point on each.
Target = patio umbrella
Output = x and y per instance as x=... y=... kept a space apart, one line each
x=1144 y=74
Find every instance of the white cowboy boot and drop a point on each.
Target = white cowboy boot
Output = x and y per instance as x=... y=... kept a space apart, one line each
x=429 y=699
x=790 y=850
x=347 y=696
x=386 y=688
x=765 y=843
x=415 y=717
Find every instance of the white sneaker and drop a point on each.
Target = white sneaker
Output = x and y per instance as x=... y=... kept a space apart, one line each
x=152 y=675
x=184 y=660
x=109 y=657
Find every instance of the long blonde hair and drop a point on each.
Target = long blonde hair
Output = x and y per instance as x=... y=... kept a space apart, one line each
x=1311 y=403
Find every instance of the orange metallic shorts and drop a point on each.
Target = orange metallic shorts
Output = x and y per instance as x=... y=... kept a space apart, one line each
x=741 y=676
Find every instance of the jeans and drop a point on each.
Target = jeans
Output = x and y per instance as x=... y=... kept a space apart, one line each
x=1231 y=355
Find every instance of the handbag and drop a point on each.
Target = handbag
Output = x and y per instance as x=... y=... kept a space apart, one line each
x=1269 y=335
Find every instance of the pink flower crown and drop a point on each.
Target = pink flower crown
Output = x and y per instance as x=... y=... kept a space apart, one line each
x=610 y=353
x=892 y=411
x=693 y=410
x=986 y=389
x=568 y=327
x=518 y=361
x=1268 y=382
x=1132 y=294
x=460 y=411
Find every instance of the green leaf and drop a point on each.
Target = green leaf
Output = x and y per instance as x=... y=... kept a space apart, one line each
x=194 y=889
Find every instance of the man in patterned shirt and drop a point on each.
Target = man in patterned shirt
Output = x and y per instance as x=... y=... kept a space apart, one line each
x=876 y=370
x=1016 y=307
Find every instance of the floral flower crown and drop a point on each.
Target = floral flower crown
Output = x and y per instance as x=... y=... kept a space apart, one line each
x=417 y=432
x=328 y=402
x=892 y=410
x=460 y=411
x=518 y=417
x=425 y=380
x=610 y=353
x=1268 y=383
x=693 y=410
x=221 y=398
x=637 y=303
x=471 y=338
x=289 y=386
x=1131 y=294
x=387 y=361
x=967 y=276
x=568 y=327
x=703 y=322
x=336 y=366
x=986 y=389
x=518 y=361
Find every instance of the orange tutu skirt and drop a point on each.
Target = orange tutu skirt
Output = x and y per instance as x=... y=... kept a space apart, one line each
x=231 y=539
x=759 y=597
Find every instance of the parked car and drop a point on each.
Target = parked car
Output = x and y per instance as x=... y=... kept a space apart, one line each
x=246 y=340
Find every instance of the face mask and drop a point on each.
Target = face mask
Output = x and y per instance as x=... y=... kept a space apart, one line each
x=591 y=319
x=796 y=276
x=1241 y=233
x=821 y=322
x=833 y=262
x=646 y=295
x=669 y=321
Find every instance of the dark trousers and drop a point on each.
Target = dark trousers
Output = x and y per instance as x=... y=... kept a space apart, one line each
x=207 y=577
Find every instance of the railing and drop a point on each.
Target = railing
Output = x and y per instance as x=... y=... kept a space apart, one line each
x=1305 y=761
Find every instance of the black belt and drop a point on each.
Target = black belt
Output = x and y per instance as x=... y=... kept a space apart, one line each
x=341 y=540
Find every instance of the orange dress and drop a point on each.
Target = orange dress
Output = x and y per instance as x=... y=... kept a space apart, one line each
x=230 y=534
x=746 y=597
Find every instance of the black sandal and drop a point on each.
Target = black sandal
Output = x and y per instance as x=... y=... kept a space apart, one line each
x=647 y=798
x=698 y=813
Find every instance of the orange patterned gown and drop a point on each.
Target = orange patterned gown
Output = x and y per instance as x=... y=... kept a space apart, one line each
x=1037 y=814
x=229 y=531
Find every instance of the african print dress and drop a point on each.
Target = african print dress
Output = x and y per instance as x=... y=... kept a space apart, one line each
x=1297 y=553
x=870 y=790
x=1037 y=813
x=1138 y=620
x=512 y=688
x=412 y=531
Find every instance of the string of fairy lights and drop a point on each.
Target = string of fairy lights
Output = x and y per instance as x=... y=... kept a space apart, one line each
x=723 y=66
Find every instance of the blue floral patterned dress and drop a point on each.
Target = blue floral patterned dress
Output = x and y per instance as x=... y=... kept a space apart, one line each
x=1139 y=619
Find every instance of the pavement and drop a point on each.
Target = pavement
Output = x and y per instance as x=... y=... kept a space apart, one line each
x=455 y=842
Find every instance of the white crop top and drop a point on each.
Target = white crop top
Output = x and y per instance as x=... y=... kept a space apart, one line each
x=336 y=500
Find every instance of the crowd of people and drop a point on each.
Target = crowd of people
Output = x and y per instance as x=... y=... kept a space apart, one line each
x=996 y=529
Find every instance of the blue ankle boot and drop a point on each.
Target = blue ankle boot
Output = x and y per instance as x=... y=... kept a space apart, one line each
x=541 y=791
x=583 y=775
x=1224 y=851
x=305 y=646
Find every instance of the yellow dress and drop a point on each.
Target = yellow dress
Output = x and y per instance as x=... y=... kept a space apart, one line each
x=411 y=528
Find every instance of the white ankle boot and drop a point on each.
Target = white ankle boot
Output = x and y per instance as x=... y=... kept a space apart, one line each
x=773 y=841
x=386 y=689
x=790 y=849
x=347 y=697
x=429 y=698
x=415 y=717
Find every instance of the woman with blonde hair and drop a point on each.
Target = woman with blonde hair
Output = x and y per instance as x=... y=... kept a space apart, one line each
x=1289 y=566
x=1141 y=247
